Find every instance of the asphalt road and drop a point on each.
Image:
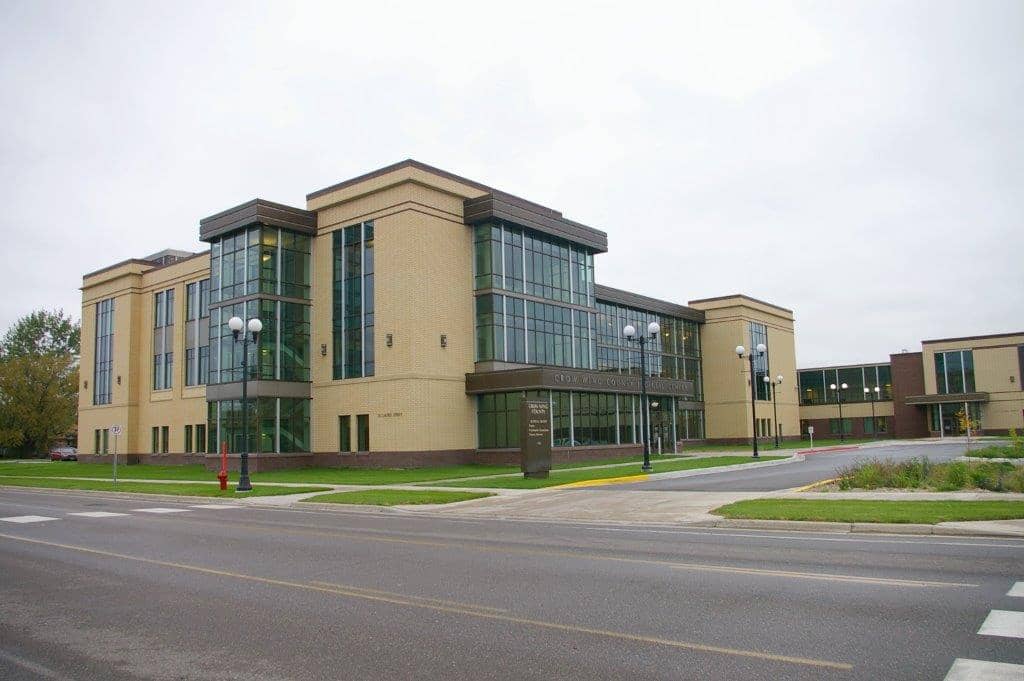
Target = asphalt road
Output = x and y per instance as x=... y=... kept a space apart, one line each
x=248 y=593
x=815 y=467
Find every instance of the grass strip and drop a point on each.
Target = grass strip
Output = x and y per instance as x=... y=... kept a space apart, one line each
x=871 y=511
x=170 y=488
x=563 y=477
x=998 y=452
x=396 y=497
x=332 y=476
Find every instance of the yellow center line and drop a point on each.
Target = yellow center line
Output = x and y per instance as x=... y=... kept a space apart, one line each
x=700 y=567
x=379 y=592
x=398 y=599
x=603 y=481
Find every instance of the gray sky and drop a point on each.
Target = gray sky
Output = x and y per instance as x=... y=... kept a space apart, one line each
x=859 y=163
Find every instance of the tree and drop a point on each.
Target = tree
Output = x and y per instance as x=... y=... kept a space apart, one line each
x=38 y=381
x=42 y=333
x=38 y=401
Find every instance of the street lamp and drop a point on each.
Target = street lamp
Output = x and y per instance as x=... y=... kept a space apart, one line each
x=760 y=349
x=839 y=397
x=629 y=331
x=873 y=397
x=255 y=326
x=775 y=406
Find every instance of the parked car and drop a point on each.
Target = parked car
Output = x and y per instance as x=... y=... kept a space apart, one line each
x=63 y=454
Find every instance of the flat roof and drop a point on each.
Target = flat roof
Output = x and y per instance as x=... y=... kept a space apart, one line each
x=969 y=338
x=847 y=366
x=630 y=299
x=495 y=204
x=744 y=296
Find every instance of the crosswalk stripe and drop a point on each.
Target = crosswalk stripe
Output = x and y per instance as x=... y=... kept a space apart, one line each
x=215 y=507
x=160 y=510
x=98 y=514
x=1007 y=623
x=979 y=670
x=27 y=519
x=1016 y=590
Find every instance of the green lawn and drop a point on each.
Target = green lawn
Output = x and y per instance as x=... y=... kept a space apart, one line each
x=173 y=488
x=395 y=497
x=870 y=511
x=334 y=476
x=564 y=477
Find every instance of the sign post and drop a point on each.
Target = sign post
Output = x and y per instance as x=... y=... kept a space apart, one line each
x=535 y=438
x=810 y=431
x=115 y=430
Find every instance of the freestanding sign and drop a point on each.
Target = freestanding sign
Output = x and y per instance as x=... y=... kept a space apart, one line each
x=115 y=430
x=535 y=438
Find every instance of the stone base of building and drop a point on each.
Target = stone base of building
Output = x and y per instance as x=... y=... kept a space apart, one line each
x=762 y=442
x=134 y=459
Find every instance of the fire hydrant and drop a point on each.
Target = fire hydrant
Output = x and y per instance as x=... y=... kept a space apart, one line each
x=223 y=477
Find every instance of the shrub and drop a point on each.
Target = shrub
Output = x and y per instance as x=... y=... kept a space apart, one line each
x=920 y=473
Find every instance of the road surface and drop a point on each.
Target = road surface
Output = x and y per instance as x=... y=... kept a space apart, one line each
x=196 y=591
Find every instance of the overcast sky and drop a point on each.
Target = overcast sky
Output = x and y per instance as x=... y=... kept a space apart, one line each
x=859 y=163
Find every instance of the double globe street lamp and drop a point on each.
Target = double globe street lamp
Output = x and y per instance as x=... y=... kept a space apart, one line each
x=872 y=396
x=775 y=407
x=629 y=331
x=760 y=349
x=255 y=326
x=839 y=397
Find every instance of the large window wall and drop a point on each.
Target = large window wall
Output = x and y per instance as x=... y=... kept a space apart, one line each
x=511 y=329
x=759 y=335
x=524 y=261
x=954 y=372
x=260 y=259
x=251 y=262
x=103 y=362
x=675 y=353
x=814 y=384
x=197 y=332
x=282 y=351
x=580 y=419
x=275 y=425
x=353 y=304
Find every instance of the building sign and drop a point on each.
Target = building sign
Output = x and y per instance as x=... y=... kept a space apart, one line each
x=535 y=438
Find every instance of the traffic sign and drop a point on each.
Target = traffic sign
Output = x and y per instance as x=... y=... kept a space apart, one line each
x=115 y=429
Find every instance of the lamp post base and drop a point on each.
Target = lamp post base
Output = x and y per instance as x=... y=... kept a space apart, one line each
x=244 y=485
x=647 y=468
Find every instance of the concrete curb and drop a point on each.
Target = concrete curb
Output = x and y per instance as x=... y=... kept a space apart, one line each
x=855 y=528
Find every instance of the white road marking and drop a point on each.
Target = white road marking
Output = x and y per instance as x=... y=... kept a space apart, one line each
x=979 y=670
x=27 y=519
x=98 y=514
x=1003 y=623
x=1017 y=590
x=160 y=510
x=215 y=506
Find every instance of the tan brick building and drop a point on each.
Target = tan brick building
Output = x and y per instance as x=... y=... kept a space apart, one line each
x=406 y=313
x=921 y=394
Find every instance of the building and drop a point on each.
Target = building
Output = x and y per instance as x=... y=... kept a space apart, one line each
x=406 y=313
x=921 y=394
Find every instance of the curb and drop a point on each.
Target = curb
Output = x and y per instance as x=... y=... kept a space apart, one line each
x=855 y=528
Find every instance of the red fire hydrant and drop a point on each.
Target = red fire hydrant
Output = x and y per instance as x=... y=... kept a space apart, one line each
x=223 y=475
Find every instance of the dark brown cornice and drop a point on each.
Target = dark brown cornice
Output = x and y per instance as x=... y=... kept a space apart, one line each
x=619 y=297
x=258 y=211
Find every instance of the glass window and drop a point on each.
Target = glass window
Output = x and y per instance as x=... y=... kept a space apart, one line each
x=188 y=439
x=103 y=362
x=353 y=302
x=165 y=439
x=201 y=437
x=155 y=440
x=345 y=433
x=363 y=432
